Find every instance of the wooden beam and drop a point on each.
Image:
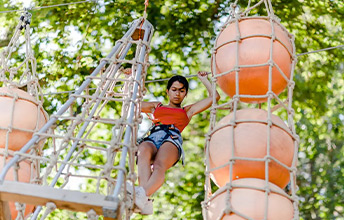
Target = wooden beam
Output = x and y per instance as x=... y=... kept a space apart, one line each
x=63 y=199
x=5 y=212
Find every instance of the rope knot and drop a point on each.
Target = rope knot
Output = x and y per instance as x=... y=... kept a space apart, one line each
x=293 y=169
x=229 y=186
x=295 y=199
x=92 y=215
x=20 y=206
x=132 y=176
x=16 y=167
x=236 y=69
x=267 y=158
x=227 y=210
x=270 y=94
x=291 y=84
x=267 y=189
x=13 y=71
x=292 y=111
x=68 y=175
x=297 y=138
x=271 y=63
x=276 y=19
x=236 y=98
x=9 y=128
x=232 y=160
x=238 y=38
x=233 y=5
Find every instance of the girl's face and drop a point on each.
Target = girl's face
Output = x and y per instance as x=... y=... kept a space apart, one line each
x=176 y=93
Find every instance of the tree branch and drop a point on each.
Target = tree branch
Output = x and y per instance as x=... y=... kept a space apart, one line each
x=5 y=42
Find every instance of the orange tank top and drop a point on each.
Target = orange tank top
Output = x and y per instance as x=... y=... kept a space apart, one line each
x=167 y=115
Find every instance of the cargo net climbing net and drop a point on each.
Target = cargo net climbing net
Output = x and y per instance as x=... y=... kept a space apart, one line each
x=45 y=160
x=251 y=148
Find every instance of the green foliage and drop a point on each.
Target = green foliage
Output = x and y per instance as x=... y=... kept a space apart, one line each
x=70 y=40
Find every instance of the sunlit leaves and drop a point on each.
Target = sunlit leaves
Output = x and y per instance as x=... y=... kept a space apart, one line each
x=69 y=42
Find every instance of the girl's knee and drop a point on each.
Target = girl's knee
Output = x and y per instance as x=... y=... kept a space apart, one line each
x=146 y=150
x=159 y=165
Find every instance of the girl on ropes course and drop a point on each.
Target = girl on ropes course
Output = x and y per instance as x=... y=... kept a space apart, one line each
x=163 y=147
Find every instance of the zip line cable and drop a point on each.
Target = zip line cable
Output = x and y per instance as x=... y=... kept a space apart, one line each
x=316 y=51
x=48 y=6
x=63 y=4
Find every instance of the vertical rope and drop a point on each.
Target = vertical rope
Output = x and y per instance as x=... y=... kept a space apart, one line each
x=145 y=11
x=20 y=207
x=12 y=77
x=225 y=191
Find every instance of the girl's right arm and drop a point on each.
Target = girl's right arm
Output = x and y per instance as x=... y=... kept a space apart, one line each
x=149 y=107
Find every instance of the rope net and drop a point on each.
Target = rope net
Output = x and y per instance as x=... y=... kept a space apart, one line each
x=251 y=147
x=16 y=104
x=100 y=118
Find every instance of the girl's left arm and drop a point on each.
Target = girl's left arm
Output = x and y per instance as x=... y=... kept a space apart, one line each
x=204 y=104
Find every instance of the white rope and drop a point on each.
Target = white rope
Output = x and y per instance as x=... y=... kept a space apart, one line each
x=283 y=105
x=12 y=77
x=79 y=138
x=50 y=207
x=74 y=137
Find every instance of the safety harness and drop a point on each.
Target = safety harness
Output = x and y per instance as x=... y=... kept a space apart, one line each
x=159 y=126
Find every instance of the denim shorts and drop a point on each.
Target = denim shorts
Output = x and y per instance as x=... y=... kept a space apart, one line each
x=160 y=136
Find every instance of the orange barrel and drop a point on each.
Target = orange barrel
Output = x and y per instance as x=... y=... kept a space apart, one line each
x=250 y=141
x=19 y=118
x=24 y=175
x=251 y=202
x=253 y=49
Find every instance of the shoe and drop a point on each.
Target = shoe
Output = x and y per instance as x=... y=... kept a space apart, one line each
x=143 y=204
x=148 y=208
x=140 y=197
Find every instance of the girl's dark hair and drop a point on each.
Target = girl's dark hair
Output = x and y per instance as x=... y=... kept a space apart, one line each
x=180 y=79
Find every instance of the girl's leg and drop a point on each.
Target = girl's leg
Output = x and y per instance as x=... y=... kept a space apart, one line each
x=146 y=153
x=165 y=158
